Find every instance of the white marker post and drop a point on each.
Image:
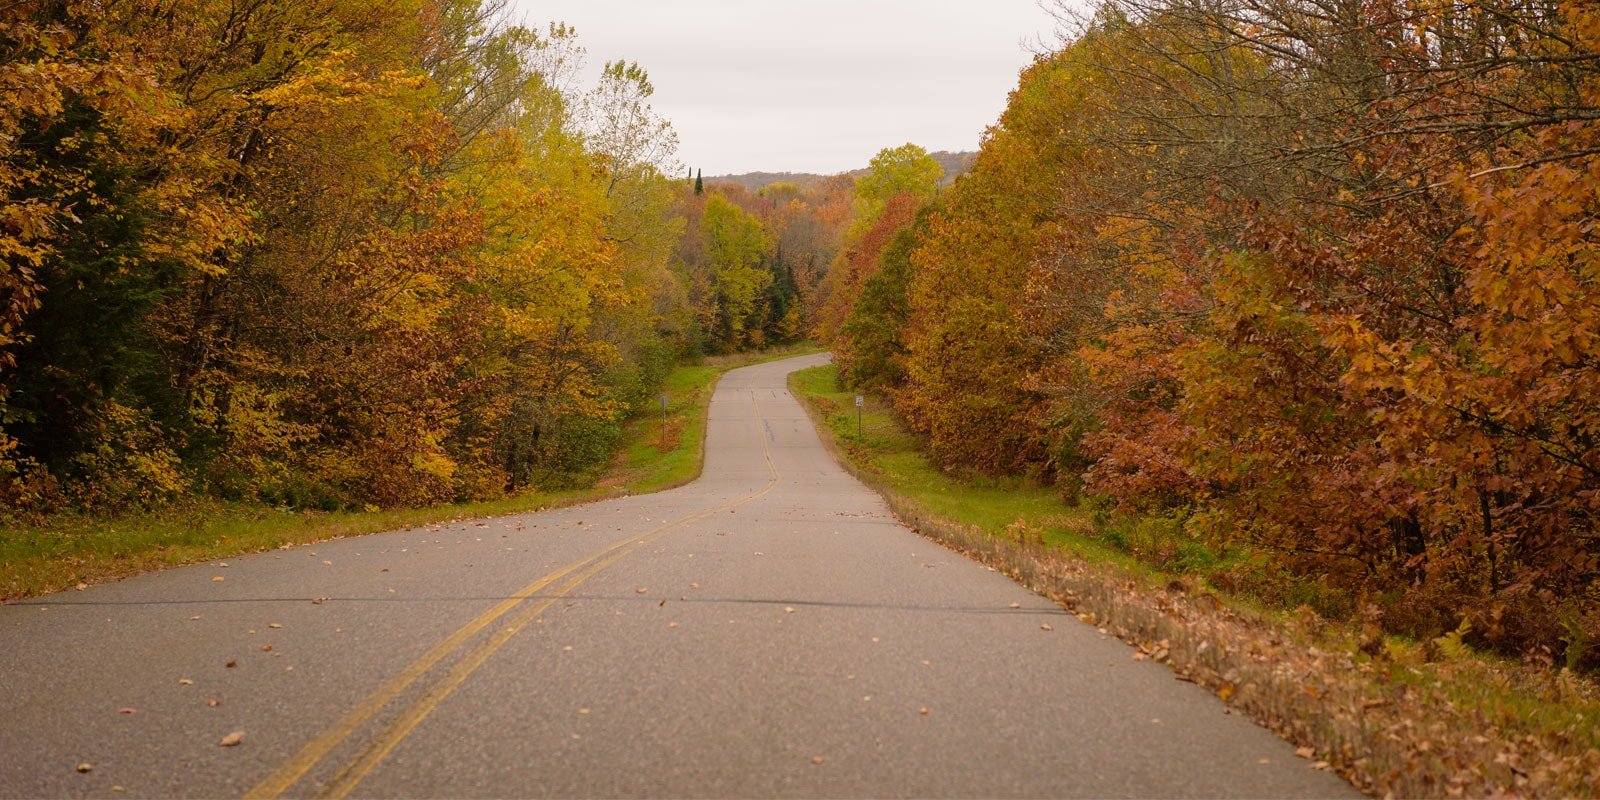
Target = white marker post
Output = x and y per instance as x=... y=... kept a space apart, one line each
x=860 y=401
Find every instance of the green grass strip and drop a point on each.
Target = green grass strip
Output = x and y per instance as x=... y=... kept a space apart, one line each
x=72 y=549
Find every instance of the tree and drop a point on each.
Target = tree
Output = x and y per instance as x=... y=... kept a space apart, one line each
x=872 y=350
x=320 y=254
x=735 y=245
x=907 y=169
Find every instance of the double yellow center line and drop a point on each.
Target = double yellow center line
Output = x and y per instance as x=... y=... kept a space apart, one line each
x=569 y=577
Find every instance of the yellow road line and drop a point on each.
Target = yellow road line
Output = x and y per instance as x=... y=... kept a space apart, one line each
x=346 y=780
x=281 y=779
x=314 y=751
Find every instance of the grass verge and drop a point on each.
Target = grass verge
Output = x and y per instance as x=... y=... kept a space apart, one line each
x=659 y=452
x=1403 y=719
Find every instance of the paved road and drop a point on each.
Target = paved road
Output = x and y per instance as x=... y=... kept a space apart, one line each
x=769 y=630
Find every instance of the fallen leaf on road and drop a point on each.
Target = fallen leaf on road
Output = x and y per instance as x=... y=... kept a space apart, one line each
x=662 y=604
x=266 y=648
x=672 y=624
x=816 y=759
x=583 y=711
x=328 y=563
x=317 y=601
x=214 y=702
x=1016 y=605
x=232 y=664
x=81 y=586
x=195 y=617
x=127 y=710
x=1305 y=752
x=1225 y=691
x=232 y=739
x=118 y=789
x=217 y=579
x=788 y=609
x=1323 y=765
x=273 y=625
x=694 y=586
x=85 y=767
x=923 y=711
x=185 y=682
x=1138 y=656
x=1045 y=626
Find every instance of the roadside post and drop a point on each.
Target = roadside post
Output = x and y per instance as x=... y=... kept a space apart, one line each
x=663 y=419
x=860 y=401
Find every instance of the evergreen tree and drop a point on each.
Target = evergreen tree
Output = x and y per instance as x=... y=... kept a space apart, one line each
x=699 y=185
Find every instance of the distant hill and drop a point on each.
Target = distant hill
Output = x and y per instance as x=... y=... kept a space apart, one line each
x=954 y=164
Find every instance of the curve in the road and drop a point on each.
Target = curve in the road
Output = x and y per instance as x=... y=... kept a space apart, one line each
x=345 y=781
x=769 y=630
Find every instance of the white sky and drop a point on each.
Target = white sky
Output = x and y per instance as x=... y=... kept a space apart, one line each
x=812 y=85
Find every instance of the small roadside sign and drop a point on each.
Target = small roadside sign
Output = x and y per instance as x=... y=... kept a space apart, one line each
x=860 y=401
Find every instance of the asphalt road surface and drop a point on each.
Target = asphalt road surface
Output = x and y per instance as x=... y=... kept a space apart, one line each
x=769 y=630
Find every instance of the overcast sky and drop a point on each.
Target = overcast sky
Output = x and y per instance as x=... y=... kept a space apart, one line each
x=812 y=85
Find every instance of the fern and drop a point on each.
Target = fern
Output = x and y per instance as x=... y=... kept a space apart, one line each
x=1451 y=645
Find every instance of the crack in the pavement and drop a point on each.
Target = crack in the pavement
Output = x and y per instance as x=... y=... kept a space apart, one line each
x=631 y=599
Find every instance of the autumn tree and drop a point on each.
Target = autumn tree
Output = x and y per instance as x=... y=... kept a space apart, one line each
x=1307 y=278
x=324 y=253
x=734 y=281
x=871 y=349
x=856 y=267
x=906 y=173
x=907 y=169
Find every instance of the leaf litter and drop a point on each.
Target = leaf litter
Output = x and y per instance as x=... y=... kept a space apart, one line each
x=1392 y=725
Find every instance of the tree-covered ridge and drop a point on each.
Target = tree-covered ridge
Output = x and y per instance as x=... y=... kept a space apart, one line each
x=1316 y=280
x=953 y=164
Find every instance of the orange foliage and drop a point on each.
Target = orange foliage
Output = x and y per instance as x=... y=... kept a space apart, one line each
x=1324 y=291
